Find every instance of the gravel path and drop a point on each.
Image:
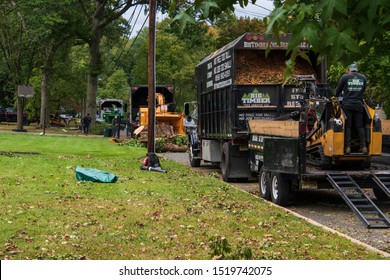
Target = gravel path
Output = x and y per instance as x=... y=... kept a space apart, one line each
x=322 y=206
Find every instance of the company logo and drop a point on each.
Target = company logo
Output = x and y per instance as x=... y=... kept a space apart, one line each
x=256 y=98
x=355 y=84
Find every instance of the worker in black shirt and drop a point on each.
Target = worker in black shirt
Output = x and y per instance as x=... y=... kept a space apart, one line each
x=353 y=85
x=86 y=122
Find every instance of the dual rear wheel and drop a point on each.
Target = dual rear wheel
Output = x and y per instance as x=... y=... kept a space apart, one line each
x=274 y=187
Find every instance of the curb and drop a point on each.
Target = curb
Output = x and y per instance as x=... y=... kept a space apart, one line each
x=358 y=242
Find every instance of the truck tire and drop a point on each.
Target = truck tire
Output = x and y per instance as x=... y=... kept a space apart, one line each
x=264 y=184
x=225 y=162
x=280 y=189
x=194 y=162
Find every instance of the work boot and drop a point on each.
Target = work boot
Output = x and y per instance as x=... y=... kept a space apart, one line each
x=364 y=150
x=347 y=150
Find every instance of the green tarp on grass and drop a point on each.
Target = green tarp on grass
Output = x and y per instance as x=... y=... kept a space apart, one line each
x=94 y=175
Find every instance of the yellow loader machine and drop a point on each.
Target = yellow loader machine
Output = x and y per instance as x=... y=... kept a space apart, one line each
x=325 y=129
x=305 y=149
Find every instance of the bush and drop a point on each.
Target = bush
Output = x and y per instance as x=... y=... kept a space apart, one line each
x=133 y=142
x=180 y=140
x=160 y=145
x=98 y=128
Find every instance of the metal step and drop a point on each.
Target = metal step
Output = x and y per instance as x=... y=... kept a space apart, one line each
x=358 y=201
x=383 y=181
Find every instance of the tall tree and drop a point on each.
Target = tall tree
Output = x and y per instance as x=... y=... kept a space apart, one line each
x=116 y=86
x=229 y=27
x=17 y=52
x=341 y=30
x=44 y=26
x=376 y=66
x=99 y=14
x=55 y=23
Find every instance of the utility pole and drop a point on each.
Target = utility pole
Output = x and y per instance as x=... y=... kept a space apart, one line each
x=153 y=162
x=152 y=77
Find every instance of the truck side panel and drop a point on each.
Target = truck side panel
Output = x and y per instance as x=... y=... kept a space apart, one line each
x=215 y=115
x=224 y=112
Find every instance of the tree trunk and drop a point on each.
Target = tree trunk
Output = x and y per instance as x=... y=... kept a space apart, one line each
x=49 y=52
x=20 y=106
x=98 y=21
x=94 y=67
x=44 y=114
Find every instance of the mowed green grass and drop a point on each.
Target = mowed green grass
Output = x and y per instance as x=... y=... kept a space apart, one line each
x=45 y=213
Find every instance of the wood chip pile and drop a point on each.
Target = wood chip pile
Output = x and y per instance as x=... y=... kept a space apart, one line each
x=253 y=67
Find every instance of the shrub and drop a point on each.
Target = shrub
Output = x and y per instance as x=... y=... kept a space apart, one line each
x=160 y=145
x=98 y=128
x=133 y=142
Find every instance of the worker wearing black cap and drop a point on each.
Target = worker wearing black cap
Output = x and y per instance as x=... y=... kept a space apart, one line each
x=353 y=85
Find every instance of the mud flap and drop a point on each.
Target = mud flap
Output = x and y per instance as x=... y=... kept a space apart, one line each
x=237 y=163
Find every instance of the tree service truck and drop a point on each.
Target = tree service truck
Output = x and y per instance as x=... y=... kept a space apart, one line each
x=290 y=136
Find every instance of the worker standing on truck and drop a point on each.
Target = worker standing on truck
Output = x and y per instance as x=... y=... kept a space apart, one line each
x=353 y=86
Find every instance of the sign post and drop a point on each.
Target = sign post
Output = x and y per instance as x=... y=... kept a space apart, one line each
x=22 y=93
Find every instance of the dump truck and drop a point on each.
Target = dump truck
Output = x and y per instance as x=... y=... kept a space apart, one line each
x=165 y=107
x=288 y=136
x=108 y=108
x=238 y=83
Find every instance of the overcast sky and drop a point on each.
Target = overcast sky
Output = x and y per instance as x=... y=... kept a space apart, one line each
x=259 y=10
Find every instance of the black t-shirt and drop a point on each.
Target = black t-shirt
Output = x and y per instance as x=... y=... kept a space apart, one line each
x=86 y=121
x=353 y=85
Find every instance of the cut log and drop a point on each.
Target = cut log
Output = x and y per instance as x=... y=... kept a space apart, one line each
x=175 y=148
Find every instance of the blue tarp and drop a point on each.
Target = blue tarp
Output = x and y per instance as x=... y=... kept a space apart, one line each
x=94 y=175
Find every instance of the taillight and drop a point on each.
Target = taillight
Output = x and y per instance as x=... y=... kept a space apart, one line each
x=302 y=128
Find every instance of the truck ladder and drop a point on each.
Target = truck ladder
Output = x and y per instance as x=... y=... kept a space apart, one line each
x=383 y=181
x=358 y=201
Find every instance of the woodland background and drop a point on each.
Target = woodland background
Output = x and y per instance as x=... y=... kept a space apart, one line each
x=74 y=51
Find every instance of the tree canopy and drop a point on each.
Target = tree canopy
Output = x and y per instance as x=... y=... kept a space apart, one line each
x=342 y=31
x=339 y=29
x=53 y=45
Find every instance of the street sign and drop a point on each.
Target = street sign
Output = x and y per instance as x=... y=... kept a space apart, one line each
x=25 y=91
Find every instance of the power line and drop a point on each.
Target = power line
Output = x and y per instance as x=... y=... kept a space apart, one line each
x=122 y=52
x=263 y=7
x=128 y=51
x=255 y=14
x=122 y=43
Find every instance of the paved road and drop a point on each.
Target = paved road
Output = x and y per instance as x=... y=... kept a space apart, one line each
x=323 y=206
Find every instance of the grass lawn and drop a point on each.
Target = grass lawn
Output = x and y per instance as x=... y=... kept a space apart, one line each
x=45 y=213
